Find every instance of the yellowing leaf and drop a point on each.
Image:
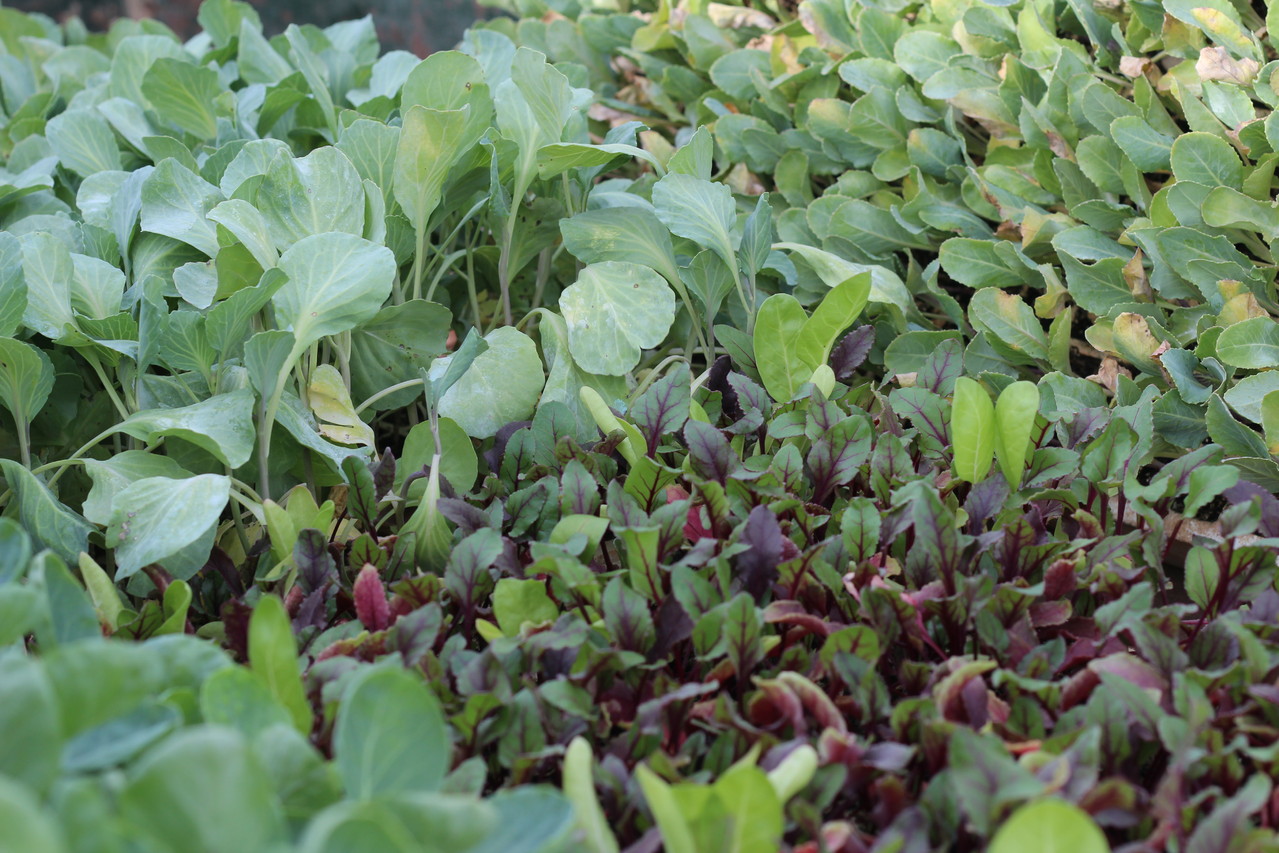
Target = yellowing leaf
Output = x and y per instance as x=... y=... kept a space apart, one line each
x=330 y=401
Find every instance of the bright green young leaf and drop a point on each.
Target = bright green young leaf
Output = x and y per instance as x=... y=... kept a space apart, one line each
x=518 y=601
x=273 y=657
x=1015 y=411
x=973 y=429
x=1270 y=421
x=839 y=308
x=668 y=811
x=579 y=787
x=614 y=311
x=1049 y=826
x=390 y=736
x=752 y=813
x=784 y=362
x=102 y=591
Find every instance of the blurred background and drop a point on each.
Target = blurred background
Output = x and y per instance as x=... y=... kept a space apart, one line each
x=420 y=26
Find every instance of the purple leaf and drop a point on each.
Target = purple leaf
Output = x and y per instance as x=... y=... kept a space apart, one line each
x=627 y=617
x=942 y=367
x=929 y=414
x=1084 y=425
x=743 y=640
x=579 y=492
x=467 y=576
x=757 y=566
x=936 y=553
x=383 y=474
x=710 y=452
x=717 y=380
x=312 y=612
x=837 y=454
x=663 y=408
x=1228 y=826
x=414 y=634
x=985 y=500
x=371 y=606
x=314 y=562
x=493 y=456
x=850 y=352
x=468 y=518
x=361 y=499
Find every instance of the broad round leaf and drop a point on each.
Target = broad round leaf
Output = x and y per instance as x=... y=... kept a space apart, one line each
x=458 y=462
x=156 y=517
x=229 y=806
x=614 y=311
x=336 y=281
x=500 y=386
x=390 y=736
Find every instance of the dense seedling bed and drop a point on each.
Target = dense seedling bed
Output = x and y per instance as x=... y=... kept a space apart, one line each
x=845 y=427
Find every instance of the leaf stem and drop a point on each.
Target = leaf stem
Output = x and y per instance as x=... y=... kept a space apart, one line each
x=24 y=442
x=267 y=425
x=386 y=392
x=504 y=267
x=107 y=384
